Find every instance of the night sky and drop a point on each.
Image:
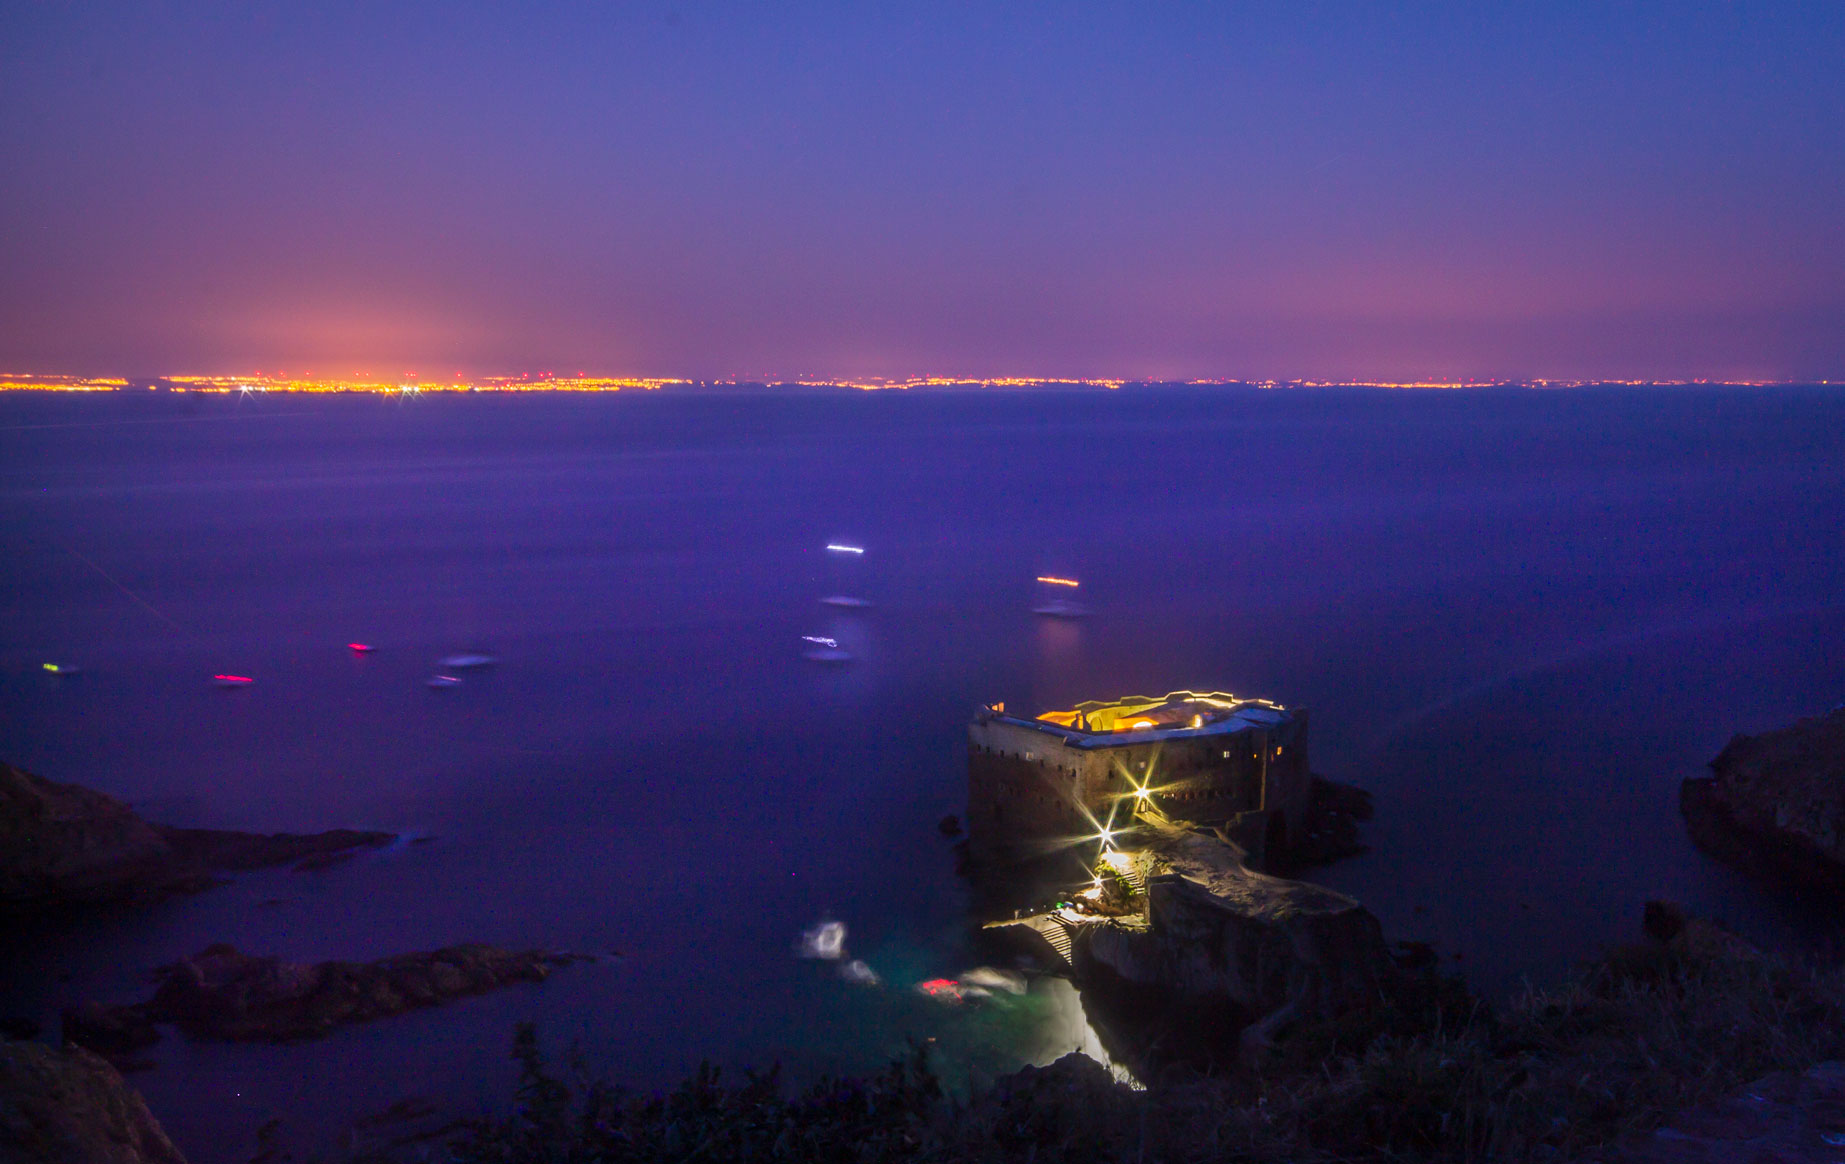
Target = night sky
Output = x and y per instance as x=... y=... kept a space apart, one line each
x=1647 y=190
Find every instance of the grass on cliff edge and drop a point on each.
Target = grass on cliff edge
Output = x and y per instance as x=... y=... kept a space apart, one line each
x=1642 y=1033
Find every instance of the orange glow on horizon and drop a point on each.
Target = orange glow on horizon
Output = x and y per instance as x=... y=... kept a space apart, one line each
x=411 y=384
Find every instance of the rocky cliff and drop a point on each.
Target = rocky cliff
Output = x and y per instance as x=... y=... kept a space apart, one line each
x=1776 y=801
x=70 y=1107
x=1217 y=931
x=64 y=846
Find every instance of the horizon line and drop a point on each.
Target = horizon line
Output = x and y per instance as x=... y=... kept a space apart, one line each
x=414 y=384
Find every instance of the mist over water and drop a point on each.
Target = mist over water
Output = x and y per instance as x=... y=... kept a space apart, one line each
x=1519 y=618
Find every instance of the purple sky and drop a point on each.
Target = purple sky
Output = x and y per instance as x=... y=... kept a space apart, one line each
x=1221 y=190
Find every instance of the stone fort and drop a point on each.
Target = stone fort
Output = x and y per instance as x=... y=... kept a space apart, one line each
x=1039 y=784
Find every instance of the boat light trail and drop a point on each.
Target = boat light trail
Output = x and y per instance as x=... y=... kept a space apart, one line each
x=1049 y=581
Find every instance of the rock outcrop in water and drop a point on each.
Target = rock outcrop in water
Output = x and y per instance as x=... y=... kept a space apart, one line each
x=224 y=994
x=68 y=1106
x=65 y=846
x=1334 y=812
x=1217 y=932
x=1776 y=802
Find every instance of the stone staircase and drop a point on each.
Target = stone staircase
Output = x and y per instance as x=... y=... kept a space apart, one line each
x=1058 y=935
x=1050 y=926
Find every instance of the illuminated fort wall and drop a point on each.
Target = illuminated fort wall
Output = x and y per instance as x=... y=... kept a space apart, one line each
x=1031 y=790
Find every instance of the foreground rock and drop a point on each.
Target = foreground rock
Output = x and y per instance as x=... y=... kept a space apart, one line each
x=64 y=846
x=1775 y=803
x=221 y=993
x=1061 y=1110
x=70 y=1107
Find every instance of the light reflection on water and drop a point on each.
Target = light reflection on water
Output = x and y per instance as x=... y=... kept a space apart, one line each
x=1065 y=1027
x=985 y=1012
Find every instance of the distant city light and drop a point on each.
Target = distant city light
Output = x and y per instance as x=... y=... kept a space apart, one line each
x=364 y=382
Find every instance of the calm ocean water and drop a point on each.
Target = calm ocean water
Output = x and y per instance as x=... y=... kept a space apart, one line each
x=1518 y=617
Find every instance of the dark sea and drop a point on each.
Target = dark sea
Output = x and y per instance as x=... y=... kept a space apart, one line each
x=1519 y=618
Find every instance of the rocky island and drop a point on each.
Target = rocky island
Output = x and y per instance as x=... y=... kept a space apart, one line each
x=1185 y=803
x=64 y=846
x=223 y=994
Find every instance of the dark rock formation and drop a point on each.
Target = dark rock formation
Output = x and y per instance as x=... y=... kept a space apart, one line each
x=70 y=1107
x=64 y=846
x=1663 y=921
x=109 y=1030
x=233 y=851
x=1689 y=936
x=1073 y=1103
x=1217 y=932
x=1775 y=803
x=221 y=993
x=1330 y=832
